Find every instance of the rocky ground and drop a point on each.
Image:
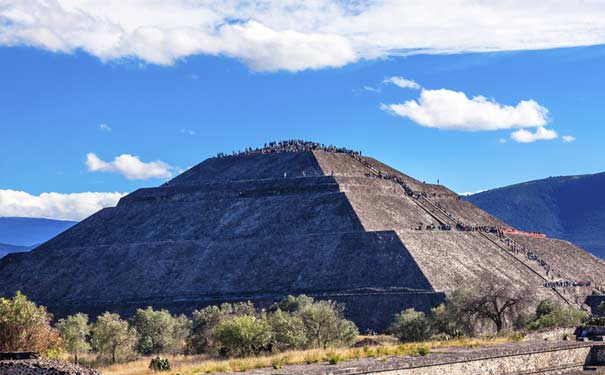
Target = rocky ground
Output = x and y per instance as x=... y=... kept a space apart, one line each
x=42 y=367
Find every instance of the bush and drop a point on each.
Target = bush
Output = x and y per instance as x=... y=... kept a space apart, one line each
x=112 y=338
x=334 y=358
x=552 y=315
x=449 y=318
x=423 y=351
x=159 y=364
x=279 y=362
x=25 y=326
x=244 y=336
x=410 y=325
x=546 y=307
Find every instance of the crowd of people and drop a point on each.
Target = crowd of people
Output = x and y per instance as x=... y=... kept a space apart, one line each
x=566 y=284
x=292 y=145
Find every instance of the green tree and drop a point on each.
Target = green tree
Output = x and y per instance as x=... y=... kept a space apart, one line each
x=288 y=330
x=25 y=326
x=244 y=335
x=549 y=314
x=202 y=338
x=410 y=325
x=325 y=324
x=545 y=307
x=74 y=331
x=112 y=337
x=450 y=317
x=181 y=331
x=158 y=331
x=292 y=304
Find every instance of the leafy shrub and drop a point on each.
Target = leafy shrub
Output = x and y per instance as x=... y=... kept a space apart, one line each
x=279 y=362
x=448 y=319
x=410 y=325
x=546 y=307
x=550 y=315
x=159 y=364
x=423 y=351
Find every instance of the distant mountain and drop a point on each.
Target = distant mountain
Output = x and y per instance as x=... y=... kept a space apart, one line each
x=568 y=207
x=7 y=249
x=25 y=231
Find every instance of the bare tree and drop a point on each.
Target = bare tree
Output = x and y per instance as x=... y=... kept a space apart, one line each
x=496 y=300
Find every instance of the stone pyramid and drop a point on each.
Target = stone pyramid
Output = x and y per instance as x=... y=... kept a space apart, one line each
x=281 y=220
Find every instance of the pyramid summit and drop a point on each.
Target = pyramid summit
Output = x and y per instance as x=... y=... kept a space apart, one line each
x=292 y=217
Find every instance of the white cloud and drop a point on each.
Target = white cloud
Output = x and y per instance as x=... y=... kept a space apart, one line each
x=403 y=83
x=105 y=127
x=296 y=35
x=188 y=131
x=525 y=136
x=466 y=194
x=453 y=110
x=371 y=88
x=568 y=138
x=76 y=206
x=502 y=140
x=129 y=166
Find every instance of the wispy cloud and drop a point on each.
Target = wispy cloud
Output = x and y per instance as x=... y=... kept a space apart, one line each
x=402 y=82
x=130 y=167
x=188 y=131
x=568 y=138
x=105 y=127
x=75 y=206
x=295 y=36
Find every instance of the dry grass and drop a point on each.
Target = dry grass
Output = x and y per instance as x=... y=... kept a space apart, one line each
x=190 y=365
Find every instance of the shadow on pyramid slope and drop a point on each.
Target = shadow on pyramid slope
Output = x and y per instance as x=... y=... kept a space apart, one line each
x=258 y=226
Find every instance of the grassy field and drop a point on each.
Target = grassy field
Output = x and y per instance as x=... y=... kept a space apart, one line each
x=204 y=364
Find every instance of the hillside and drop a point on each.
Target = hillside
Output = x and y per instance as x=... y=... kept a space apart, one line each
x=26 y=231
x=570 y=208
x=289 y=220
x=7 y=249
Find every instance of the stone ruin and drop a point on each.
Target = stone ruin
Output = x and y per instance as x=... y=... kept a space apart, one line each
x=261 y=225
x=30 y=363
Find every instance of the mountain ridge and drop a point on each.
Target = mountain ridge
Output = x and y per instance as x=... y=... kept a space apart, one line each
x=566 y=207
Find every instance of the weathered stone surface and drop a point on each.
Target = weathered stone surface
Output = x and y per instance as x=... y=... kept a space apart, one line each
x=262 y=226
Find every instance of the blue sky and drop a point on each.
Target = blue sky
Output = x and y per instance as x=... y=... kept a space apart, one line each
x=53 y=104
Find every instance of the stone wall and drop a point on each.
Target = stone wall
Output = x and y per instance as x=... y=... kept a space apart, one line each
x=507 y=359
